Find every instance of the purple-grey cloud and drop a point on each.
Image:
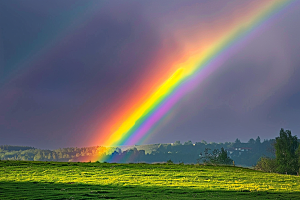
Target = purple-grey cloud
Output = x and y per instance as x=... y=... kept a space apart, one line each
x=101 y=61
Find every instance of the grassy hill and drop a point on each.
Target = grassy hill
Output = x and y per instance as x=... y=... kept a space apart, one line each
x=59 y=180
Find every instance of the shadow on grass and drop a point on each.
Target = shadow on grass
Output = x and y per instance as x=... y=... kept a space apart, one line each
x=45 y=190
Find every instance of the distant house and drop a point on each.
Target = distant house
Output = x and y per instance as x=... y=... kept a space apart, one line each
x=242 y=149
x=246 y=149
x=238 y=150
x=230 y=150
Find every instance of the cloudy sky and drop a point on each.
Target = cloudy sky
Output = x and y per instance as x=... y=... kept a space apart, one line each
x=69 y=69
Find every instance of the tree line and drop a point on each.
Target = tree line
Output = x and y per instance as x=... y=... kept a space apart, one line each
x=245 y=154
x=84 y=154
x=280 y=155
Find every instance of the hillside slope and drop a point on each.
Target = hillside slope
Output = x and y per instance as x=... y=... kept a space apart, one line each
x=58 y=180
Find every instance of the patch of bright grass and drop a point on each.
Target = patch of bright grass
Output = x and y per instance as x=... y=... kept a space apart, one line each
x=56 y=180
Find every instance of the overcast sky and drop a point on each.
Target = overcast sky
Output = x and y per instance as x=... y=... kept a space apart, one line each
x=68 y=67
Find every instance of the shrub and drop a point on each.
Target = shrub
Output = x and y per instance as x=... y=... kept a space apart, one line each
x=216 y=157
x=266 y=164
x=170 y=162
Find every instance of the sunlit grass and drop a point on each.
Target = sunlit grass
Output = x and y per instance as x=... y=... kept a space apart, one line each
x=51 y=180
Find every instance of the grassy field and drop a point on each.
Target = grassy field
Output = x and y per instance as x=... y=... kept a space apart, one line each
x=54 y=180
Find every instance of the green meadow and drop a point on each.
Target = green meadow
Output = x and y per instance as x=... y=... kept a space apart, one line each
x=59 y=180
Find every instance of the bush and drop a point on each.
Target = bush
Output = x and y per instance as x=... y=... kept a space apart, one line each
x=266 y=164
x=216 y=157
x=170 y=162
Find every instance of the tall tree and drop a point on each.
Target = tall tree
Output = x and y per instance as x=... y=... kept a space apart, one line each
x=257 y=141
x=188 y=143
x=177 y=143
x=286 y=158
x=251 y=141
x=223 y=157
x=237 y=141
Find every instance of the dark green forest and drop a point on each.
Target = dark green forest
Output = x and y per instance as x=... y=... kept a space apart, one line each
x=243 y=154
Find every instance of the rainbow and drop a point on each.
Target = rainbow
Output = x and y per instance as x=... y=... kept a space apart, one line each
x=137 y=127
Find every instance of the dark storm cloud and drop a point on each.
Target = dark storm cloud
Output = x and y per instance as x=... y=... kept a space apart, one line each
x=254 y=93
x=59 y=96
x=79 y=78
x=22 y=23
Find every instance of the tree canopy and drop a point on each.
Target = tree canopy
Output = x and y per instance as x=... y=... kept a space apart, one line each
x=286 y=157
